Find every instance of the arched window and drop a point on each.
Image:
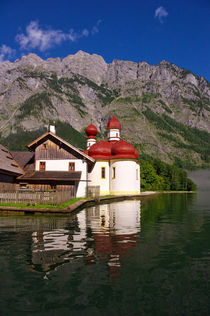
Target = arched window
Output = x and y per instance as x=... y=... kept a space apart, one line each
x=113 y=172
x=103 y=173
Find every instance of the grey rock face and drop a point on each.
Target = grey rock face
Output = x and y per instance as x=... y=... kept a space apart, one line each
x=91 y=66
x=83 y=87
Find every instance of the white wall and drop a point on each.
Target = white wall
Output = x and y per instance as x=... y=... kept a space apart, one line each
x=95 y=177
x=114 y=134
x=90 y=142
x=122 y=217
x=63 y=165
x=127 y=217
x=125 y=181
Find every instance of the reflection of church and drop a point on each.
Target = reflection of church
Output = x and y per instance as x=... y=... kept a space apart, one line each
x=100 y=233
x=115 y=229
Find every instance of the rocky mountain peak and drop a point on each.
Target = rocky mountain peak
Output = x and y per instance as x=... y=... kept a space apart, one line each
x=30 y=59
x=91 y=66
x=152 y=102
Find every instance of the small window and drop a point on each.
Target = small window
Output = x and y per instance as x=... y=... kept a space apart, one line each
x=113 y=172
x=137 y=174
x=42 y=166
x=103 y=172
x=71 y=166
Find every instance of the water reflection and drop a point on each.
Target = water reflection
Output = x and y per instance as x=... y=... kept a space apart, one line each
x=102 y=233
x=164 y=268
x=115 y=229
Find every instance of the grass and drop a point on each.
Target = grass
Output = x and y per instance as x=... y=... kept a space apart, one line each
x=27 y=205
x=48 y=206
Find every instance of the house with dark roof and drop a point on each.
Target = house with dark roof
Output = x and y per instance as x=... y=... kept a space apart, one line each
x=9 y=170
x=54 y=164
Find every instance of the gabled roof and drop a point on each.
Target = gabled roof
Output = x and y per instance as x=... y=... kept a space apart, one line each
x=7 y=163
x=23 y=158
x=52 y=136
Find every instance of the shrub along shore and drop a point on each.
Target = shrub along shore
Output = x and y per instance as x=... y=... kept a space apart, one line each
x=159 y=176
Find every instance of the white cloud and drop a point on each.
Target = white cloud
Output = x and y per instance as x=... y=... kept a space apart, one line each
x=161 y=13
x=43 y=39
x=35 y=37
x=85 y=32
x=95 y=28
x=6 y=53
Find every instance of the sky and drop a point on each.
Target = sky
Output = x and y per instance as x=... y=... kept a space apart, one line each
x=144 y=30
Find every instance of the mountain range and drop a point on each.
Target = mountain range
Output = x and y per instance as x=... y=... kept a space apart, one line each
x=164 y=109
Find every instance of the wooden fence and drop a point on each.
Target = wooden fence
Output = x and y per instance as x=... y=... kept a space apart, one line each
x=37 y=197
x=5 y=187
x=93 y=191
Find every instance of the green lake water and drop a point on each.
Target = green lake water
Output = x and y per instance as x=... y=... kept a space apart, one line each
x=148 y=257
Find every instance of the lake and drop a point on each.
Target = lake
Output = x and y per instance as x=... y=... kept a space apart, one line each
x=148 y=257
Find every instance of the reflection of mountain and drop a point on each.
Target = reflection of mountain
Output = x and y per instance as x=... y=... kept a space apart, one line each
x=100 y=233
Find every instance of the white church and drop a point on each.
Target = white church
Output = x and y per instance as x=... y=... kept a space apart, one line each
x=55 y=164
x=116 y=168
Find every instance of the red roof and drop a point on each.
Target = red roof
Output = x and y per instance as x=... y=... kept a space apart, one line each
x=101 y=150
x=114 y=123
x=91 y=130
x=112 y=150
x=122 y=149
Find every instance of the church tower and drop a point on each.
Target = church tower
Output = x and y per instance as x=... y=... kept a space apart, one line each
x=114 y=128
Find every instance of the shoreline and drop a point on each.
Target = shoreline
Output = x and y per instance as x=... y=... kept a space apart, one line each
x=81 y=204
x=77 y=206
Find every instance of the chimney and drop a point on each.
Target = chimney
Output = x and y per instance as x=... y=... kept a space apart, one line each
x=52 y=128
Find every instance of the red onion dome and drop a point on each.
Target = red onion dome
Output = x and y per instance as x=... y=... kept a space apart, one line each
x=113 y=123
x=122 y=149
x=101 y=150
x=91 y=130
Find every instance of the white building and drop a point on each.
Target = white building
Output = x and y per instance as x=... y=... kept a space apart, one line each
x=116 y=168
x=57 y=165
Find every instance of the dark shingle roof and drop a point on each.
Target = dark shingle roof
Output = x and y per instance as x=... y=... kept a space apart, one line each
x=52 y=175
x=8 y=163
x=24 y=158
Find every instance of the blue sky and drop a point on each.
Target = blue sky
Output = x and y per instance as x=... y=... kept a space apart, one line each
x=150 y=30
